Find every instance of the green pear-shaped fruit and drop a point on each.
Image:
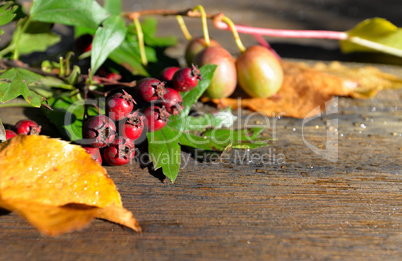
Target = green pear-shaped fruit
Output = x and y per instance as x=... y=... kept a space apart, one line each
x=259 y=72
x=195 y=46
x=224 y=81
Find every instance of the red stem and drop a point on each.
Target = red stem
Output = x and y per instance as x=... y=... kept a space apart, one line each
x=334 y=35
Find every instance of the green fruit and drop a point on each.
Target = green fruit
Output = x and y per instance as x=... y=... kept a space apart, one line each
x=259 y=72
x=195 y=46
x=224 y=81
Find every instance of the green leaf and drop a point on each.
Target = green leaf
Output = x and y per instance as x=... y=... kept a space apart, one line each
x=67 y=115
x=164 y=151
x=149 y=27
x=107 y=39
x=2 y=132
x=209 y=120
x=7 y=13
x=113 y=7
x=85 y=13
x=374 y=34
x=35 y=37
x=17 y=81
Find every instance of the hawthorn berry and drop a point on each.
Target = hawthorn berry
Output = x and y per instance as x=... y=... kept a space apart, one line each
x=186 y=79
x=167 y=73
x=120 y=152
x=133 y=126
x=28 y=127
x=119 y=105
x=10 y=134
x=172 y=101
x=100 y=129
x=156 y=118
x=95 y=154
x=150 y=89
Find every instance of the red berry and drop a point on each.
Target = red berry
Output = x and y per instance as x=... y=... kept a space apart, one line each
x=95 y=153
x=168 y=72
x=10 y=134
x=120 y=152
x=186 y=79
x=172 y=101
x=150 y=89
x=113 y=76
x=156 y=118
x=119 y=105
x=28 y=127
x=133 y=126
x=100 y=130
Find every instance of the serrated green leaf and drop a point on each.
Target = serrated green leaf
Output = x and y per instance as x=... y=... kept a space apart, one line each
x=17 y=81
x=107 y=39
x=221 y=119
x=67 y=115
x=7 y=13
x=2 y=132
x=164 y=151
x=376 y=34
x=85 y=13
x=35 y=37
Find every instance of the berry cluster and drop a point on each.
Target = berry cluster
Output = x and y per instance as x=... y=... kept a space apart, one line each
x=28 y=127
x=112 y=136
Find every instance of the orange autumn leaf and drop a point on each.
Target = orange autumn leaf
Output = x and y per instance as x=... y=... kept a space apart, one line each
x=57 y=186
x=303 y=90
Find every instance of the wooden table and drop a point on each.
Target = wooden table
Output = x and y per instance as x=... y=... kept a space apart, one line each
x=294 y=204
x=290 y=205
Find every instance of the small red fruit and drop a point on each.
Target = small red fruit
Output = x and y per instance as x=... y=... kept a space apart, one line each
x=120 y=152
x=10 y=134
x=150 y=89
x=100 y=130
x=167 y=73
x=28 y=127
x=156 y=118
x=259 y=72
x=133 y=126
x=224 y=81
x=113 y=76
x=172 y=101
x=186 y=79
x=119 y=105
x=95 y=153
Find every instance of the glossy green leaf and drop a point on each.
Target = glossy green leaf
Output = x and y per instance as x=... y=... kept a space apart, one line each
x=164 y=151
x=202 y=122
x=113 y=7
x=374 y=34
x=7 y=12
x=85 y=13
x=107 y=39
x=17 y=81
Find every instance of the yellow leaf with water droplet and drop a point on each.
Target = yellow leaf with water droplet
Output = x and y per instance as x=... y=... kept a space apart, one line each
x=57 y=186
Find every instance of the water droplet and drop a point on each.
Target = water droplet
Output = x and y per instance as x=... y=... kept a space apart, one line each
x=373 y=109
x=248 y=242
x=294 y=129
x=317 y=127
x=362 y=125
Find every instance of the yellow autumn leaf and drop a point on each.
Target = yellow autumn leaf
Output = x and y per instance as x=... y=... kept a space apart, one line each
x=57 y=186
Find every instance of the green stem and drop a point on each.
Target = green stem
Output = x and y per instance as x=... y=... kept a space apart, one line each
x=18 y=37
x=141 y=41
x=375 y=46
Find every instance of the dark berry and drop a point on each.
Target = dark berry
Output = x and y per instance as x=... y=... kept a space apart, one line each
x=119 y=105
x=100 y=130
x=95 y=153
x=120 y=152
x=10 y=134
x=133 y=126
x=150 y=89
x=186 y=79
x=156 y=118
x=28 y=127
x=172 y=101
x=167 y=73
